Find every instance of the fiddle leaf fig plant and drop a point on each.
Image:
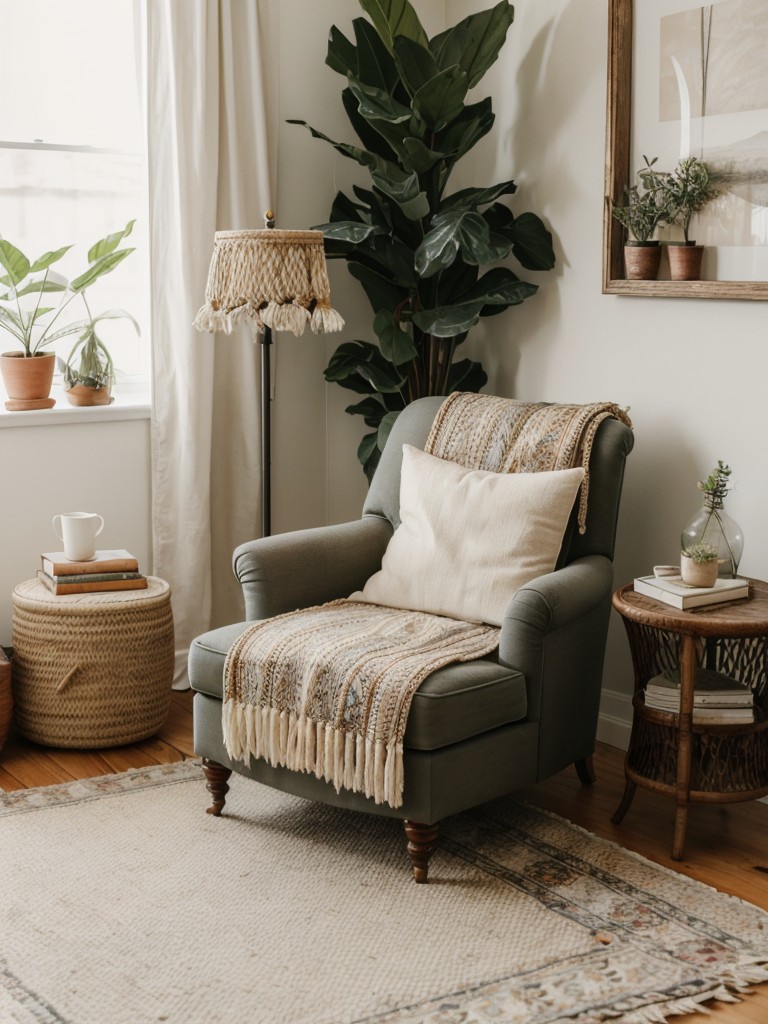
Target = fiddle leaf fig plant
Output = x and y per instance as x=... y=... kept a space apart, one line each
x=416 y=248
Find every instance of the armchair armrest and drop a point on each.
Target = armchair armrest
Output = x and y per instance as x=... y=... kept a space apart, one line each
x=554 y=632
x=307 y=567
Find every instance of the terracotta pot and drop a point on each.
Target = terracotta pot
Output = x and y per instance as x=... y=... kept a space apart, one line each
x=698 y=574
x=28 y=380
x=81 y=394
x=642 y=260
x=685 y=262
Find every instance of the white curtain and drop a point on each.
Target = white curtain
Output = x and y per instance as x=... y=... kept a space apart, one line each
x=211 y=157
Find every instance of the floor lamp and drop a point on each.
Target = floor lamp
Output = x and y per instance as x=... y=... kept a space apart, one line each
x=278 y=281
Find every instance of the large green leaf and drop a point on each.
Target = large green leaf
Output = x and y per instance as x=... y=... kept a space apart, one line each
x=385 y=428
x=36 y=287
x=376 y=103
x=406 y=191
x=466 y=130
x=393 y=18
x=465 y=375
x=415 y=64
x=471 y=198
x=441 y=99
x=453 y=231
x=342 y=54
x=110 y=243
x=103 y=265
x=375 y=65
x=382 y=292
x=371 y=409
x=418 y=157
x=368 y=454
x=372 y=139
x=475 y=42
x=48 y=258
x=396 y=344
x=14 y=262
x=500 y=288
x=533 y=243
x=446 y=321
x=383 y=378
x=349 y=231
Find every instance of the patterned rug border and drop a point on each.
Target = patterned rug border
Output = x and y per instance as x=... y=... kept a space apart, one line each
x=725 y=983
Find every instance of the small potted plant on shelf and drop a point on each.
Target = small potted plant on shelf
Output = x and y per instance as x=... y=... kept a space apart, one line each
x=698 y=565
x=687 y=189
x=645 y=209
x=24 y=287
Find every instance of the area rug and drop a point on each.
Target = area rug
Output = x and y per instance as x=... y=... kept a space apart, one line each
x=123 y=902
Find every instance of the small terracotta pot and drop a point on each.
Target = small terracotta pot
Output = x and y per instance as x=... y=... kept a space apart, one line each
x=81 y=394
x=698 y=574
x=642 y=260
x=685 y=262
x=28 y=380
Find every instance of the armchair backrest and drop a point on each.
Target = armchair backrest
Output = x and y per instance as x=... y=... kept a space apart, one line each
x=613 y=442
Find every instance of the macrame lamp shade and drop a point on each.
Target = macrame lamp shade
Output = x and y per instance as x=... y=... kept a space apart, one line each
x=274 y=278
x=277 y=281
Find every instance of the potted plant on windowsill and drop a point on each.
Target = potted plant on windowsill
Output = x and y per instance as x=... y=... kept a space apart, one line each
x=688 y=189
x=28 y=374
x=644 y=210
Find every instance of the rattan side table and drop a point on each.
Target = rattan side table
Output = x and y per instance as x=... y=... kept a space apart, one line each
x=92 y=670
x=669 y=753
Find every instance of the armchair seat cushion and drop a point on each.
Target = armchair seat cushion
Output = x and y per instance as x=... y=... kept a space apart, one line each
x=451 y=705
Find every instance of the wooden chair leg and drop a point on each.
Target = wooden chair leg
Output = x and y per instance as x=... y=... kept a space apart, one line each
x=585 y=769
x=216 y=775
x=626 y=800
x=421 y=843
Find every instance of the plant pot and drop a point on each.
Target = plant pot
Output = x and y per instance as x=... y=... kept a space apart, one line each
x=698 y=574
x=685 y=261
x=641 y=260
x=81 y=394
x=28 y=380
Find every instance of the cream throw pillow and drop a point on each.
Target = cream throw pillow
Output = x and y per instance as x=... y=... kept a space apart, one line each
x=469 y=539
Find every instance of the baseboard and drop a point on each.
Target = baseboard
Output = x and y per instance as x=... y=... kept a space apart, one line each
x=615 y=722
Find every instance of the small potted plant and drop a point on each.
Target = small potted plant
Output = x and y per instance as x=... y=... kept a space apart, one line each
x=713 y=526
x=89 y=372
x=698 y=565
x=687 y=189
x=644 y=210
x=24 y=288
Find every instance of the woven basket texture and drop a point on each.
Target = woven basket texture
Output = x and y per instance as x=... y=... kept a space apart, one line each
x=92 y=670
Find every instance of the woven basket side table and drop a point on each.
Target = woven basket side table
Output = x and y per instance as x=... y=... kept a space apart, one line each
x=92 y=670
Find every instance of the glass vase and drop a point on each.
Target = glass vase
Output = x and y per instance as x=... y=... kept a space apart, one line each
x=712 y=525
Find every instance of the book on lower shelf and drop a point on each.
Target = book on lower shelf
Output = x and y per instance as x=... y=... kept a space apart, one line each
x=672 y=591
x=92 y=583
x=56 y=563
x=718 y=699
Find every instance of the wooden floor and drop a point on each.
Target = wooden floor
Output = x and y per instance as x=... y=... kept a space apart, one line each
x=726 y=845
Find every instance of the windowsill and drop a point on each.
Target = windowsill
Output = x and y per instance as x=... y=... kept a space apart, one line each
x=129 y=403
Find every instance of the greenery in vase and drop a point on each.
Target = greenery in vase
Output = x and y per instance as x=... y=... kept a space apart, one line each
x=645 y=206
x=687 y=190
x=716 y=485
x=30 y=322
x=701 y=552
x=415 y=249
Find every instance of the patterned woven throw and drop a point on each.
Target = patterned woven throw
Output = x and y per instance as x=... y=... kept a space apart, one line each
x=327 y=689
x=503 y=435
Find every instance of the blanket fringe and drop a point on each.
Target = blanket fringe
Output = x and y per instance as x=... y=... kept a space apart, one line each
x=731 y=981
x=285 y=740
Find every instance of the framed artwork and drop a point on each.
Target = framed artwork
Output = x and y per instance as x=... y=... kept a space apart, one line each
x=691 y=79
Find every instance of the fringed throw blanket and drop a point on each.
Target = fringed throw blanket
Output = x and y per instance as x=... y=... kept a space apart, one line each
x=327 y=689
x=506 y=436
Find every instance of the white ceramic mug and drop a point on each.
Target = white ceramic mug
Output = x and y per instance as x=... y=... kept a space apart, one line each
x=78 y=531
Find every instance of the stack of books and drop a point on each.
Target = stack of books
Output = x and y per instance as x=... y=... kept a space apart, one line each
x=717 y=699
x=107 y=570
x=672 y=591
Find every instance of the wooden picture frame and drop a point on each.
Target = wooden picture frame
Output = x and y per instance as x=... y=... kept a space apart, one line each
x=618 y=172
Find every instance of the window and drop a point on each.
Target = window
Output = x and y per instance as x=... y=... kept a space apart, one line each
x=72 y=166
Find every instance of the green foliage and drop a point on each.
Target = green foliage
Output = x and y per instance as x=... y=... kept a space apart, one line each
x=716 y=486
x=89 y=363
x=687 y=190
x=646 y=204
x=701 y=552
x=31 y=323
x=416 y=250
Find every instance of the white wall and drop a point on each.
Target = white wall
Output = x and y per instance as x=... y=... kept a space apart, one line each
x=692 y=372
